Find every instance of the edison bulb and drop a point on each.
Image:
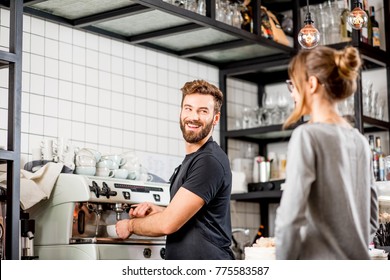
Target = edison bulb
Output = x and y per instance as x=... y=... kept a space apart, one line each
x=309 y=37
x=357 y=18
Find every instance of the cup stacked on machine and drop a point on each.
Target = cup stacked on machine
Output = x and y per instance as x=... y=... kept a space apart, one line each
x=86 y=160
x=110 y=166
x=121 y=166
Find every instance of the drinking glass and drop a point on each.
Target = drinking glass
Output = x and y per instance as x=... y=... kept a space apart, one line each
x=269 y=106
x=227 y=11
x=219 y=10
x=236 y=16
x=367 y=91
x=322 y=23
x=373 y=103
x=201 y=9
x=380 y=110
x=282 y=104
x=246 y=117
x=191 y=5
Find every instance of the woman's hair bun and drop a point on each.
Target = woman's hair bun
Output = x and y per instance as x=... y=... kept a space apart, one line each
x=348 y=62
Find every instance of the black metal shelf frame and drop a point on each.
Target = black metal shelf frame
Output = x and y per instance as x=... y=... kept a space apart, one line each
x=193 y=21
x=11 y=156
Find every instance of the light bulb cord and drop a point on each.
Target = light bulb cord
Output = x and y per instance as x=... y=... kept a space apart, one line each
x=358 y=4
x=308 y=19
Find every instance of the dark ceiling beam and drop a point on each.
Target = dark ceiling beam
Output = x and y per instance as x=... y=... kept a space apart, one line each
x=103 y=32
x=164 y=32
x=255 y=64
x=158 y=48
x=282 y=6
x=32 y=2
x=110 y=15
x=264 y=77
x=45 y=15
x=215 y=47
x=6 y=3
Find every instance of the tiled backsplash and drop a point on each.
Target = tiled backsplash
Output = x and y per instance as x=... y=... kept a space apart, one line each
x=98 y=92
x=107 y=95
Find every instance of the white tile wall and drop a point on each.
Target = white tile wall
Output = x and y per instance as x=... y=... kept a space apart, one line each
x=98 y=92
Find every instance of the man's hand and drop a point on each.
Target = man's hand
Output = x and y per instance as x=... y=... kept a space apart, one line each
x=144 y=209
x=122 y=228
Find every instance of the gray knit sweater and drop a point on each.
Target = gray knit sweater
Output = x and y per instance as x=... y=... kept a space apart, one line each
x=329 y=207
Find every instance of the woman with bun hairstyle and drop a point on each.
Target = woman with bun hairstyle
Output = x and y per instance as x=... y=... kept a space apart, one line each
x=329 y=206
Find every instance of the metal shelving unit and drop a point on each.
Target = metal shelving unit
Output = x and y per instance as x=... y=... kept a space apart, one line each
x=11 y=155
x=160 y=26
x=262 y=74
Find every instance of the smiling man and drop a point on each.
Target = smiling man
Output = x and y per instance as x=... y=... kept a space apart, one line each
x=197 y=220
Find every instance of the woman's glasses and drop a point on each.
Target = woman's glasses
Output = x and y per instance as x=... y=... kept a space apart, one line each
x=290 y=85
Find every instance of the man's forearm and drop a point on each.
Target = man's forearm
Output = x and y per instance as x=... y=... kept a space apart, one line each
x=152 y=225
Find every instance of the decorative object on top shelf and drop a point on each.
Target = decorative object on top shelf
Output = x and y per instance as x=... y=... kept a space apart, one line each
x=308 y=36
x=271 y=28
x=357 y=18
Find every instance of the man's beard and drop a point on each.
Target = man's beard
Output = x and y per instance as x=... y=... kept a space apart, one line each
x=192 y=136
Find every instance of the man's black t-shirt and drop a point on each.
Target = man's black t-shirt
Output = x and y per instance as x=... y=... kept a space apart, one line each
x=207 y=235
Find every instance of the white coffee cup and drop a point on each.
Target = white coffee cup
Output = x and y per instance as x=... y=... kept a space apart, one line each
x=144 y=175
x=86 y=170
x=121 y=173
x=83 y=160
x=104 y=172
x=111 y=231
x=95 y=153
x=119 y=160
x=107 y=163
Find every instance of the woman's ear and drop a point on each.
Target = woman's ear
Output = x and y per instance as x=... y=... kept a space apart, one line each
x=313 y=84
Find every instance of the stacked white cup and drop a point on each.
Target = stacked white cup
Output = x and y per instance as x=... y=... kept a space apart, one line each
x=113 y=163
x=85 y=162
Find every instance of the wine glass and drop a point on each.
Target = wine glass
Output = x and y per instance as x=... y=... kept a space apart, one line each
x=201 y=7
x=269 y=106
x=236 y=16
x=246 y=117
x=219 y=11
x=282 y=104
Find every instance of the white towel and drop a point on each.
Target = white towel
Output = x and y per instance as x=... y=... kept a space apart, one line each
x=37 y=186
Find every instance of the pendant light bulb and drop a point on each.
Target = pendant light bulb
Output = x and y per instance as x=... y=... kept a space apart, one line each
x=358 y=18
x=309 y=36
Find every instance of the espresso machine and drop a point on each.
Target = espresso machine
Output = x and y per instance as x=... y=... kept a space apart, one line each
x=73 y=222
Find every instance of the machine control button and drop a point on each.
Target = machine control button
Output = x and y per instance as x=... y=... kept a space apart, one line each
x=95 y=189
x=147 y=253
x=156 y=197
x=106 y=191
x=162 y=253
x=126 y=195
